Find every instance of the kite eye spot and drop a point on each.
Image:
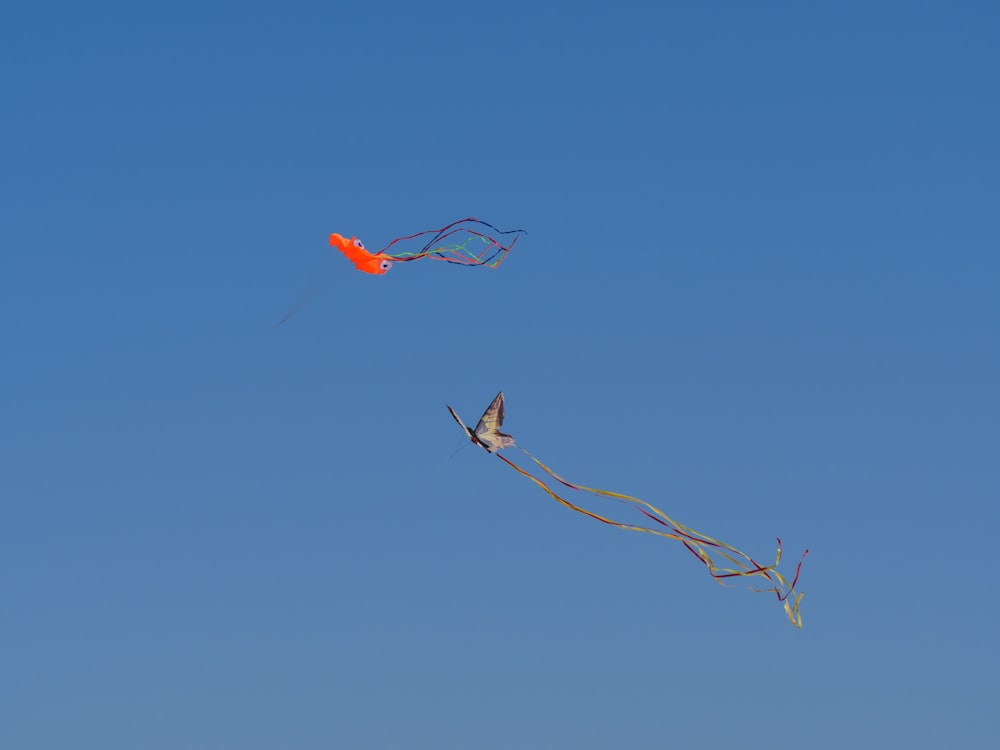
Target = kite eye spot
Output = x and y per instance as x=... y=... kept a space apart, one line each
x=385 y=265
x=357 y=243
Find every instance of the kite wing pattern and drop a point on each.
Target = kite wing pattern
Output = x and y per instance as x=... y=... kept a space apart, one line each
x=487 y=433
x=488 y=429
x=722 y=560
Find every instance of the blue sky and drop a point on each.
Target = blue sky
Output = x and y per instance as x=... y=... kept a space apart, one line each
x=759 y=289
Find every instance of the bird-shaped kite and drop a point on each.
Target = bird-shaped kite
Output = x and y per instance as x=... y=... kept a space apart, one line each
x=722 y=560
x=487 y=433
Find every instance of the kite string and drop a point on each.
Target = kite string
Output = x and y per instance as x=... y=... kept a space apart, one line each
x=319 y=286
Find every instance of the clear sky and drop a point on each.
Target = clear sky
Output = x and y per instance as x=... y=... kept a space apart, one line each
x=759 y=289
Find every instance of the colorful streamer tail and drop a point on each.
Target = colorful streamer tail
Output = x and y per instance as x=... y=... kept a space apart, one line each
x=722 y=560
x=468 y=244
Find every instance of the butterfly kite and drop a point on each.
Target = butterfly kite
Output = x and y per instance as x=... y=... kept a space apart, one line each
x=487 y=433
x=723 y=561
x=464 y=242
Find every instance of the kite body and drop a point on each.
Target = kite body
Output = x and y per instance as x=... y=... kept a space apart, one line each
x=373 y=263
x=487 y=434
